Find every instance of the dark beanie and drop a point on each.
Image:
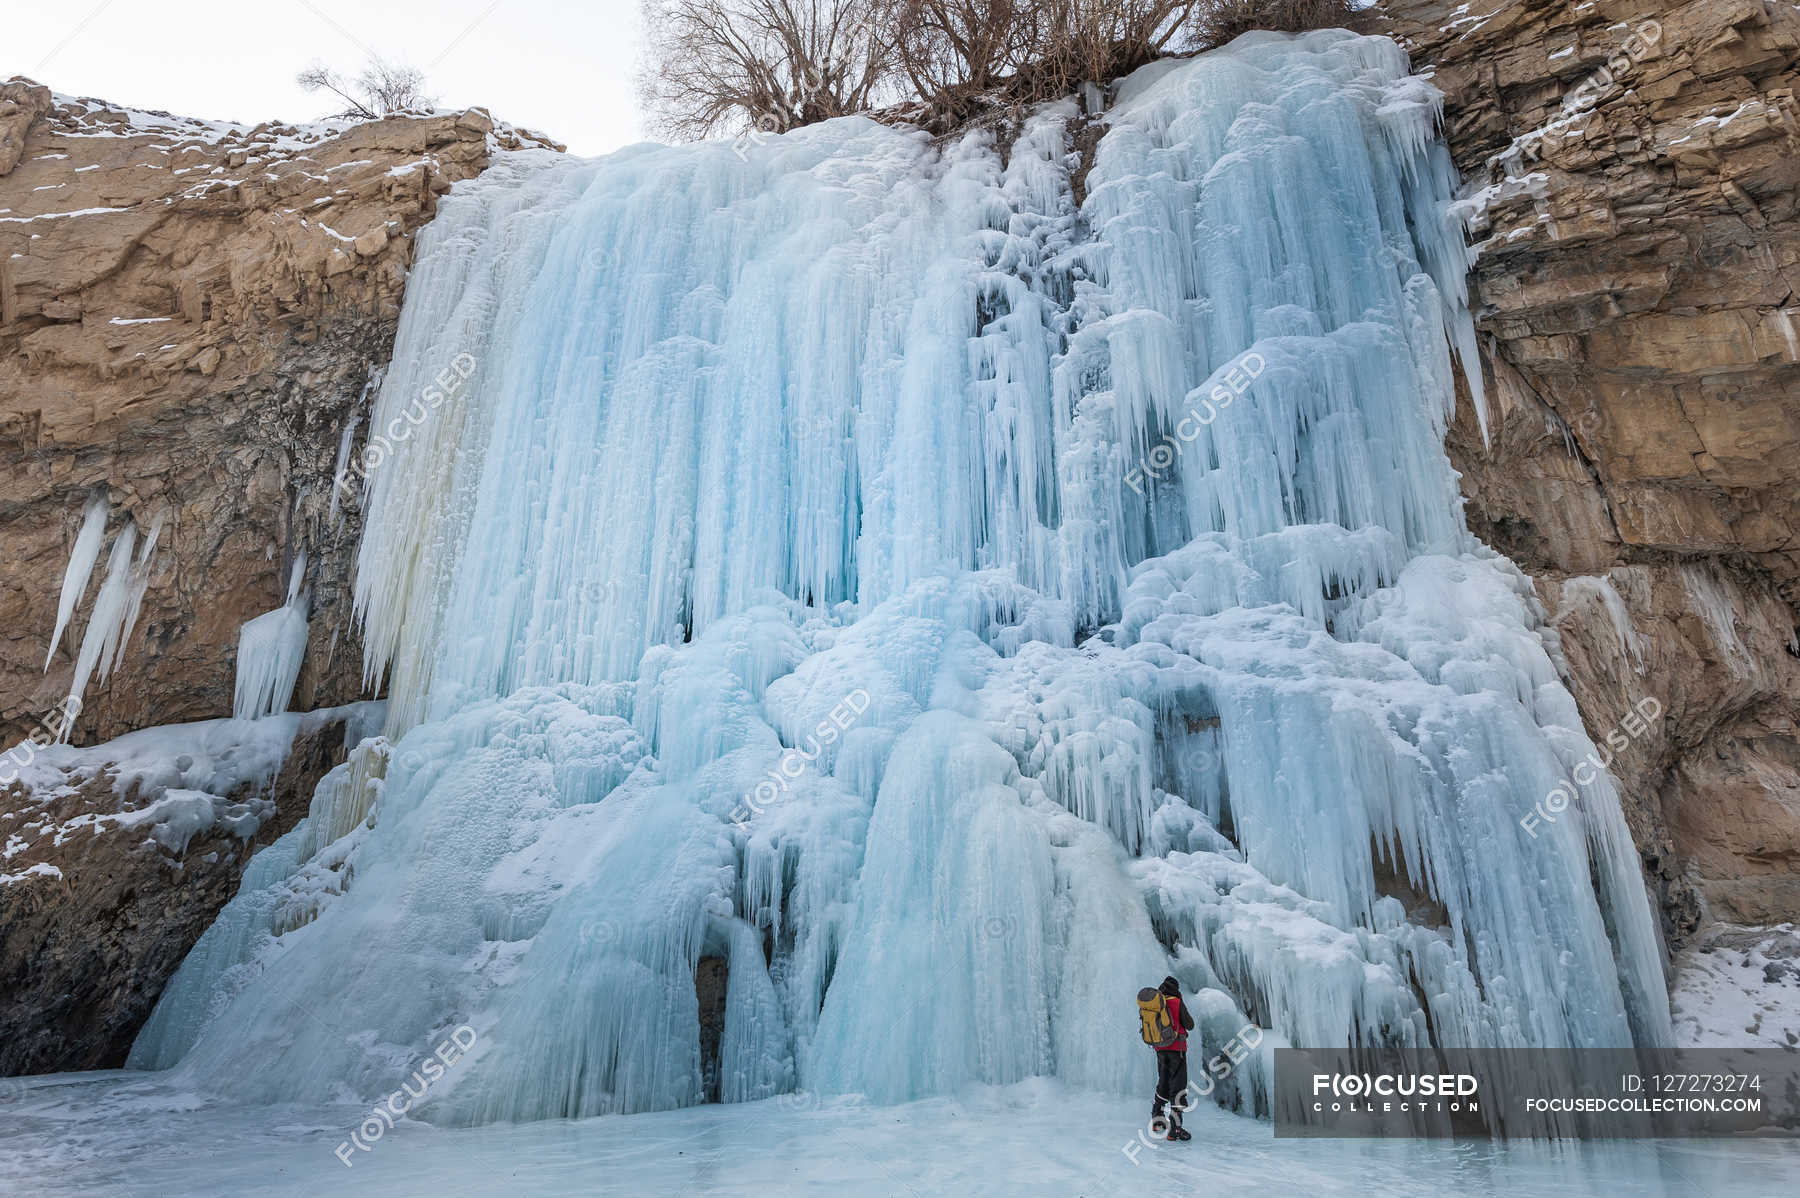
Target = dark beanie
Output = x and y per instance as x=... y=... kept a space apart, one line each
x=1170 y=986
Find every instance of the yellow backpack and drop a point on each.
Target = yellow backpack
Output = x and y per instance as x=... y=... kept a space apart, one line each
x=1153 y=1013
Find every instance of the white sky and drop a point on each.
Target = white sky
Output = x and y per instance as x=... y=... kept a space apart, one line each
x=560 y=66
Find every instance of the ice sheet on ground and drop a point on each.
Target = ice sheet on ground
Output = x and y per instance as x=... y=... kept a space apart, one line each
x=137 y=1136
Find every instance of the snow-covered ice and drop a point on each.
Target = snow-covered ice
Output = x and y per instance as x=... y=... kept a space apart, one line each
x=120 y=1135
x=217 y=756
x=166 y=784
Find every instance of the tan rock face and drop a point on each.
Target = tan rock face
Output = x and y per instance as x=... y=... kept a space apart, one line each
x=1637 y=170
x=189 y=314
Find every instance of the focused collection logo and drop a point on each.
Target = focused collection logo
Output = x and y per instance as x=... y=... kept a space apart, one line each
x=1400 y=1093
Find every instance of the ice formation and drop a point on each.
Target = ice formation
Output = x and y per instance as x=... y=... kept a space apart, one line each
x=82 y=557
x=271 y=650
x=950 y=607
x=115 y=610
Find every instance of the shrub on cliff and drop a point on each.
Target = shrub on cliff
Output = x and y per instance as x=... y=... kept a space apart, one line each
x=722 y=66
x=718 y=66
x=1223 y=20
x=380 y=89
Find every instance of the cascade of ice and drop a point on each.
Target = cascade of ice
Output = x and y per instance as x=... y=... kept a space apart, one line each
x=948 y=607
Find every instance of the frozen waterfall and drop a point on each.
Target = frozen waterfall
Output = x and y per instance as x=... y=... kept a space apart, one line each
x=946 y=606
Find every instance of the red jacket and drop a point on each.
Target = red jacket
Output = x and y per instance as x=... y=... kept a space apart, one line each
x=1184 y=1023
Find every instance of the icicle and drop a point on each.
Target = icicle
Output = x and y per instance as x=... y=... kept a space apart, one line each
x=115 y=611
x=271 y=649
x=341 y=476
x=81 y=565
x=140 y=582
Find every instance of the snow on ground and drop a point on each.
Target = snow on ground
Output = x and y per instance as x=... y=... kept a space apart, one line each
x=1738 y=986
x=118 y=1135
x=217 y=756
x=168 y=783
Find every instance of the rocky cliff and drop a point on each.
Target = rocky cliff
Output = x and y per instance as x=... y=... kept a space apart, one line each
x=190 y=314
x=1632 y=168
x=118 y=857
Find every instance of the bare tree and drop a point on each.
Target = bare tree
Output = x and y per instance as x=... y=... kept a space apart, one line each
x=715 y=66
x=380 y=89
x=1095 y=41
x=1221 y=20
x=954 y=51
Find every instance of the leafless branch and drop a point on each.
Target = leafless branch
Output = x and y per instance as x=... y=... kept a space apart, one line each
x=379 y=89
x=719 y=66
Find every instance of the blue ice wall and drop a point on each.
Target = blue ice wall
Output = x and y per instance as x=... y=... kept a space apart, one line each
x=953 y=605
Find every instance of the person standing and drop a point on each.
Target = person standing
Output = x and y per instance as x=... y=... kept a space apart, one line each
x=1171 y=1062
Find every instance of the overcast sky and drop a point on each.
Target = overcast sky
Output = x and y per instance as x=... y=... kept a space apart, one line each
x=561 y=66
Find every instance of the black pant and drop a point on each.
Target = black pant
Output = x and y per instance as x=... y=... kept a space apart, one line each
x=1171 y=1083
